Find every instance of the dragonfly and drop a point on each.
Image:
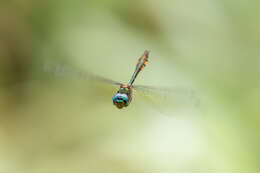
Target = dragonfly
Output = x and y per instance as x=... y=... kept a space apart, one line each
x=123 y=97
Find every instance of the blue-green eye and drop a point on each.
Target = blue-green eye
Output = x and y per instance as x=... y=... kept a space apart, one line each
x=120 y=98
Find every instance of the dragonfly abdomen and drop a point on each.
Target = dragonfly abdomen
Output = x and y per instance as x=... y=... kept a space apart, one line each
x=141 y=63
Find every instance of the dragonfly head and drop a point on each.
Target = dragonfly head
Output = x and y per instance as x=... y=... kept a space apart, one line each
x=120 y=100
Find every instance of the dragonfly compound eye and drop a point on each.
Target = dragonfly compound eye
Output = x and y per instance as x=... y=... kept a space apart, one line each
x=120 y=100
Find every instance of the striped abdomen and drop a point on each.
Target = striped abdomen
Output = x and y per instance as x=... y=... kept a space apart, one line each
x=140 y=66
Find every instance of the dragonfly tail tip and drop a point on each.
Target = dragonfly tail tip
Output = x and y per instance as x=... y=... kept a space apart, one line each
x=146 y=52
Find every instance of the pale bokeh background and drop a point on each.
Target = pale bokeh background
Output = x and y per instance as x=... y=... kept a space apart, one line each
x=62 y=123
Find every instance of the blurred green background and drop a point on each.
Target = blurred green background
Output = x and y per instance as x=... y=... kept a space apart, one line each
x=51 y=123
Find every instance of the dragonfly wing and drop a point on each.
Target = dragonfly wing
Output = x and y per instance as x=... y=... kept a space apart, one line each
x=89 y=76
x=68 y=71
x=163 y=98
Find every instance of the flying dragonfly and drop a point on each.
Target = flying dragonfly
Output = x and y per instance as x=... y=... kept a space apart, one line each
x=123 y=97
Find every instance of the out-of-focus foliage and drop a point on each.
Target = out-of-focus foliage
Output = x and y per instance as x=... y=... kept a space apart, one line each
x=61 y=123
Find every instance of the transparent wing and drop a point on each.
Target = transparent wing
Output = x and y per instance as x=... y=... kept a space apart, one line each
x=68 y=71
x=168 y=98
x=90 y=76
